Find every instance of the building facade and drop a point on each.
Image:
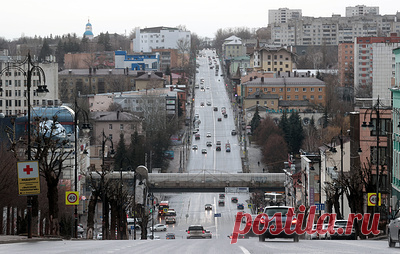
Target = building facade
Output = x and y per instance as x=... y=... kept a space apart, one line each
x=271 y=59
x=233 y=47
x=148 y=39
x=283 y=15
x=137 y=62
x=346 y=64
x=361 y=10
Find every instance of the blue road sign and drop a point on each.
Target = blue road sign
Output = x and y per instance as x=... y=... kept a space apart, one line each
x=217 y=215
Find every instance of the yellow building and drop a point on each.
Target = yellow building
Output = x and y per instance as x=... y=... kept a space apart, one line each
x=275 y=59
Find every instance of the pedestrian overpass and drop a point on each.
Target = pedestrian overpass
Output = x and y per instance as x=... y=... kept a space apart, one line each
x=205 y=181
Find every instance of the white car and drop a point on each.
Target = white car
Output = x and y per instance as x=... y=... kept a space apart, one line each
x=208 y=135
x=158 y=227
x=99 y=236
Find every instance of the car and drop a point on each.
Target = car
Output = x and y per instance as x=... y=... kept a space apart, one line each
x=209 y=143
x=207 y=87
x=219 y=119
x=202 y=104
x=240 y=206
x=234 y=199
x=195 y=231
x=270 y=211
x=197 y=136
x=227 y=147
x=393 y=230
x=218 y=142
x=207 y=234
x=221 y=195
x=202 y=88
x=215 y=108
x=208 y=135
x=195 y=147
x=218 y=148
x=170 y=236
x=233 y=132
x=150 y=236
x=225 y=115
x=158 y=227
x=342 y=224
x=208 y=103
x=208 y=207
x=221 y=202
x=99 y=236
x=204 y=151
x=170 y=219
x=196 y=116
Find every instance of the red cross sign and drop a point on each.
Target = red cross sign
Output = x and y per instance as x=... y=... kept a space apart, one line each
x=28 y=170
x=28 y=178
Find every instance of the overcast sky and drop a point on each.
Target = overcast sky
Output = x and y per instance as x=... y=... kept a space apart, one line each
x=205 y=17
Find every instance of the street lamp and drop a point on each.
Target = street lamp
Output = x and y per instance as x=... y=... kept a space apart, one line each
x=105 y=213
x=86 y=130
x=378 y=130
x=40 y=91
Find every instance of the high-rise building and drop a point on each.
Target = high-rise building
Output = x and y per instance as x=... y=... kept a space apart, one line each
x=283 y=15
x=361 y=10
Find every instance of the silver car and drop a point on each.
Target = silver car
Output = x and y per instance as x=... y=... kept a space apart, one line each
x=195 y=231
x=393 y=230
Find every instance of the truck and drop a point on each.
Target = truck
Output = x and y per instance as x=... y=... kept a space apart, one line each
x=170 y=216
x=161 y=206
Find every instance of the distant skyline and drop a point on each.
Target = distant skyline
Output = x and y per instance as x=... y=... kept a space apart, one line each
x=45 y=17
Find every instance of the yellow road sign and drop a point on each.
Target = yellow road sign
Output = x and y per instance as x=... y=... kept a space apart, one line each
x=372 y=199
x=72 y=197
x=28 y=178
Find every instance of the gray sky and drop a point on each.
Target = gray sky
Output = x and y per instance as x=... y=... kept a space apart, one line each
x=45 y=17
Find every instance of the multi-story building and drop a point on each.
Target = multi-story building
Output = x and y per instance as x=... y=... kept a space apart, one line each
x=168 y=58
x=13 y=87
x=288 y=89
x=361 y=10
x=94 y=81
x=374 y=65
x=283 y=15
x=137 y=62
x=333 y=30
x=148 y=39
x=346 y=64
x=233 y=47
x=271 y=59
x=98 y=60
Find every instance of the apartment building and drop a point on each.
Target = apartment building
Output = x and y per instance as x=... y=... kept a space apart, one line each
x=13 y=86
x=271 y=59
x=283 y=15
x=98 y=60
x=374 y=65
x=148 y=39
x=233 y=47
x=288 y=88
x=346 y=64
x=361 y=10
x=333 y=30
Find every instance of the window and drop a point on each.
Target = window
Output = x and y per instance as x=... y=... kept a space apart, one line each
x=250 y=89
x=288 y=89
x=273 y=89
x=281 y=89
x=304 y=97
x=272 y=102
x=110 y=136
x=319 y=97
x=304 y=89
x=383 y=126
x=110 y=126
x=288 y=97
x=312 y=89
x=265 y=89
x=296 y=89
x=312 y=97
x=296 y=97
x=382 y=155
x=320 y=89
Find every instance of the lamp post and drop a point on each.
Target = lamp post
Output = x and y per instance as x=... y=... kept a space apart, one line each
x=105 y=212
x=378 y=130
x=85 y=129
x=40 y=91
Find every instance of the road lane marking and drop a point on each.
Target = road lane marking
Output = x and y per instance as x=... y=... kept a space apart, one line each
x=245 y=251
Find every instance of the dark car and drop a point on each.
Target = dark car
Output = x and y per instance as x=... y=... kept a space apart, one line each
x=221 y=202
x=170 y=236
x=233 y=132
x=240 y=206
x=215 y=108
x=221 y=195
x=219 y=119
x=234 y=199
x=270 y=211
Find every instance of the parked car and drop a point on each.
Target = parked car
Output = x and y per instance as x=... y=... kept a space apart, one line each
x=208 y=103
x=170 y=236
x=234 y=199
x=208 y=207
x=270 y=211
x=195 y=231
x=207 y=234
x=393 y=230
x=158 y=227
x=202 y=104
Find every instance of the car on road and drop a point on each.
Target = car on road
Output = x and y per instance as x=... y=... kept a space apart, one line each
x=393 y=230
x=208 y=135
x=170 y=219
x=150 y=236
x=202 y=104
x=219 y=119
x=207 y=234
x=208 y=207
x=195 y=231
x=195 y=147
x=234 y=199
x=233 y=132
x=227 y=147
x=209 y=143
x=215 y=108
x=204 y=151
x=208 y=103
x=221 y=202
x=197 y=136
x=342 y=224
x=99 y=236
x=225 y=115
x=158 y=227
x=218 y=148
x=170 y=236
x=270 y=211
x=222 y=195
x=240 y=206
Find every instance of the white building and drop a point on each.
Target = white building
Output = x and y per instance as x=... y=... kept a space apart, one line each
x=361 y=10
x=159 y=38
x=13 y=92
x=282 y=15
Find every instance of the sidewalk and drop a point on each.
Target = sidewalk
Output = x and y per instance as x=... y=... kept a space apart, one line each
x=17 y=238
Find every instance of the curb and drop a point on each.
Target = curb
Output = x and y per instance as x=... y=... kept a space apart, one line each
x=24 y=239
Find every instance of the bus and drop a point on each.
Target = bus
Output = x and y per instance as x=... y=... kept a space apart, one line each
x=162 y=206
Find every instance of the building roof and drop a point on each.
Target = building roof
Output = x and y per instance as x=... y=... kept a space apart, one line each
x=156 y=29
x=146 y=76
x=113 y=116
x=285 y=82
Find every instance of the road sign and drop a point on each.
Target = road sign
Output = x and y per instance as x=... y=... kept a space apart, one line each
x=249 y=206
x=165 y=210
x=372 y=199
x=217 y=215
x=320 y=207
x=72 y=197
x=28 y=178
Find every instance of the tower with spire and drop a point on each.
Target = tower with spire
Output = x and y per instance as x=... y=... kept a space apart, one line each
x=88 y=31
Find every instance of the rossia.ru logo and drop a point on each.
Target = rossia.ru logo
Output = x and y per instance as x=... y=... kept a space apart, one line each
x=261 y=222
